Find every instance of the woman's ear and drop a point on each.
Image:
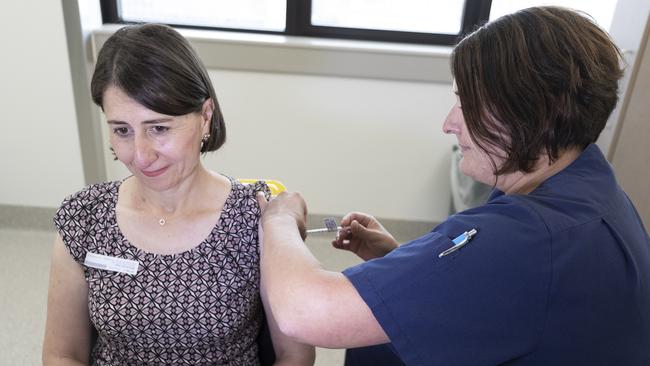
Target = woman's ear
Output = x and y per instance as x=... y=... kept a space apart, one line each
x=206 y=111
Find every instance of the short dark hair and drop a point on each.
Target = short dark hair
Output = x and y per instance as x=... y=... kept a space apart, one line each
x=157 y=67
x=538 y=81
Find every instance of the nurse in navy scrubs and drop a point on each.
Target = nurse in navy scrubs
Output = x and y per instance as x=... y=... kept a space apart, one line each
x=554 y=269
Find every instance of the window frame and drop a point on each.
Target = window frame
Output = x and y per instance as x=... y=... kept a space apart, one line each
x=298 y=23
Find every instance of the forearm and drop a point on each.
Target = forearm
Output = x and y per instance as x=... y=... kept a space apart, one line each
x=291 y=353
x=304 y=357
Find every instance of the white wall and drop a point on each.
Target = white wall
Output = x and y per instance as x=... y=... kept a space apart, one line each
x=628 y=24
x=352 y=143
x=630 y=155
x=346 y=144
x=40 y=161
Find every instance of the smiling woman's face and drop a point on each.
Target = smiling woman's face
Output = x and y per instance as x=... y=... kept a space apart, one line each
x=159 y=150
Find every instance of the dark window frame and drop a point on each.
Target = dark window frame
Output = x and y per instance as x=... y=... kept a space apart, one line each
x=298 y=23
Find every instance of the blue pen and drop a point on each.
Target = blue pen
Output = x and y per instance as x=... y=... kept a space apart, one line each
x=459 y=242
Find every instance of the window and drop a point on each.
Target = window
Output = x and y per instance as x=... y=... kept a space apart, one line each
x=602 y=11
x=266 y=15
x=408 y=21
x=422 y=16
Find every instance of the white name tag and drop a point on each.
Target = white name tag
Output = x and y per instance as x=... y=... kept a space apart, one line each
x=101 y=261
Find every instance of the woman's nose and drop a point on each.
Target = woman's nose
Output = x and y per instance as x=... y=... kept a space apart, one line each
x=145 y=154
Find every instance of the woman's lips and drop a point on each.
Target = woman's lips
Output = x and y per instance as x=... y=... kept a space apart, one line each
x=154 y=173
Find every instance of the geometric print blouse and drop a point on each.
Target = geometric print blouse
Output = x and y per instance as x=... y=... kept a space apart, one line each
x=198 y=307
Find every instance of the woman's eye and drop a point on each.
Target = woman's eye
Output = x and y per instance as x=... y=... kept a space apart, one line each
x=160 y=129
x=121 y=131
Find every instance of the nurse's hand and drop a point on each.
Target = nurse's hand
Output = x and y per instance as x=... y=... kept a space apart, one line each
x=285 y=205
x=363 y=235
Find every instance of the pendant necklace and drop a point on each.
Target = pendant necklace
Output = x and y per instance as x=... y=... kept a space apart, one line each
x=162 y=222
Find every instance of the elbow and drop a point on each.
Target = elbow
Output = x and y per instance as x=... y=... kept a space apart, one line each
x=300 y=305
x=53 y=356
x=290 y=322
x=304 y=319
x=49 y=359
x=295 y=315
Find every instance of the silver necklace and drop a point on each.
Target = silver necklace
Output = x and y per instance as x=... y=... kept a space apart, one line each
x=162 y=222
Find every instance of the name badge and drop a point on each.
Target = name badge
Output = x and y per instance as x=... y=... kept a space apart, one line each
x=101 y=261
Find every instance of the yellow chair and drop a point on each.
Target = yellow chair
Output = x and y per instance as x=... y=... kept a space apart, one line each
x=275 y=186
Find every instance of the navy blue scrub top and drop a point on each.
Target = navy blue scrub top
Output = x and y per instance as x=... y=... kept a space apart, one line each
x=560 y=276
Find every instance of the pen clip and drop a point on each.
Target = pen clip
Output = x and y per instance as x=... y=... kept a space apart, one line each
x=459 y=242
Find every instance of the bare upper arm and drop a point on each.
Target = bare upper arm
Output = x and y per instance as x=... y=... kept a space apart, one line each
x=310 y=304
x=332 y=314
x=68 y=327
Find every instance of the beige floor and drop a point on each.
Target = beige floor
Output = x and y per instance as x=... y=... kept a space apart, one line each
x=24 y=270
x=24 y=267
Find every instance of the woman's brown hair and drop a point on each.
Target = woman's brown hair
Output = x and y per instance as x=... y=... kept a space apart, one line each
x=535 y=82
x=154 y=65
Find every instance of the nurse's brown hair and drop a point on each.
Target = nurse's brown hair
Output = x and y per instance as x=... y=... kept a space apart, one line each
x=536 y=82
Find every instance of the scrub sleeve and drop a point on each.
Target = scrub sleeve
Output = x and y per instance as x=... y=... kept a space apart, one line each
x=473 y=306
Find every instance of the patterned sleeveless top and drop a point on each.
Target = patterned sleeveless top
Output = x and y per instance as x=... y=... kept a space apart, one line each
x=198 y=307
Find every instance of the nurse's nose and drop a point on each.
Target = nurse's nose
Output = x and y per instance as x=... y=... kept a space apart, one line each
x=145 y=153
x=454 y=120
